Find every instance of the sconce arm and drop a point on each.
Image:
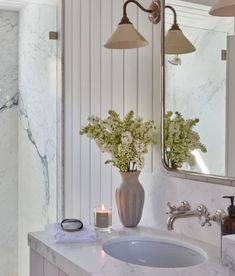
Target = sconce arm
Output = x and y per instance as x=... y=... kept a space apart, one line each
x=137 y=3
x=174 y=12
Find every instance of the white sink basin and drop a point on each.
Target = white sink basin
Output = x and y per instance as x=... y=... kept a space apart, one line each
x=153 y=252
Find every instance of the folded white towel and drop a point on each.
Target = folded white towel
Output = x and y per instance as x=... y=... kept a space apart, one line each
x=58 y=235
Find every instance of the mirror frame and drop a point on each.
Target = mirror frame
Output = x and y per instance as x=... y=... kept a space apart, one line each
x=213 y=179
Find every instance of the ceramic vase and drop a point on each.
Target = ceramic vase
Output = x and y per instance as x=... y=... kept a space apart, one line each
x=130 y=199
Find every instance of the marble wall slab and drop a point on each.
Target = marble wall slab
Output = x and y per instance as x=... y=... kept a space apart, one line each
x=37 y=125
x=8 y=142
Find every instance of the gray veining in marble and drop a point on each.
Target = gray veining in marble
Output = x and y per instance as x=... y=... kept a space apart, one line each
x=38 y=123
x=43 y=158
x=8 y=142
x=10 y=103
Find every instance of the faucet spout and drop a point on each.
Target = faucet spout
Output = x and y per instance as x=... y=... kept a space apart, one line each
x=185 y=211
x=171 y=219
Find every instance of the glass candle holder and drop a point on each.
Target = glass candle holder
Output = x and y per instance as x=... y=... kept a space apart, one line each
x=103 y=218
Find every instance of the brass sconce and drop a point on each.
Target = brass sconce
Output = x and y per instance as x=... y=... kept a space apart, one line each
x=127 y=37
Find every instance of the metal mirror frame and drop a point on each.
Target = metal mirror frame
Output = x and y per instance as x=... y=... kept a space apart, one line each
x=195 y=176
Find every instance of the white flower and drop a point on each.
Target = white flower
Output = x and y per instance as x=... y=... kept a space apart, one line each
x=125 y=147
x=152 y=134
x=139 y=146
x=126 y=138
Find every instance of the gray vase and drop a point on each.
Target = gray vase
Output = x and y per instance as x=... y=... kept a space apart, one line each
x=130 y=199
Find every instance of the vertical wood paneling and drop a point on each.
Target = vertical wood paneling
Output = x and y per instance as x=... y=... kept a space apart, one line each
x=106 y=95
x=85 y=178
x=118 y=63
x=68 y=115
x=76 y=73
x=103 y=79
x=49 y=269
x=131 y=69
x=118 y=72
x=95 y=61
x=156 y=89
x=145 y=75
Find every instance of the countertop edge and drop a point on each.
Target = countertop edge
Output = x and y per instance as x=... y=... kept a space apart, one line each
x=55 y=257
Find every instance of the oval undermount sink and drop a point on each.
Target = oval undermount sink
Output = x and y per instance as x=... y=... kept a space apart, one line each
x=154 y=252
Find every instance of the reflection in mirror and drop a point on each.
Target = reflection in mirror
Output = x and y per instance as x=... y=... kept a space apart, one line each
x=199 y=121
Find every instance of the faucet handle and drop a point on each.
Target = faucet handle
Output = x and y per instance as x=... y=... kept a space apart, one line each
x=204 y=215
x=183 y=207
x=172 y=208
x=218 y=216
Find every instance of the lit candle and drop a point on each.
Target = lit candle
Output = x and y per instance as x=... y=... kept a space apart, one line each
x=103 y=218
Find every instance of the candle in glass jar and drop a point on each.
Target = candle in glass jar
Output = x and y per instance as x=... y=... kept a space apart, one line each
x=103 y=218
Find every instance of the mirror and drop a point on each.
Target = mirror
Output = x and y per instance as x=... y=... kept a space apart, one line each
x=199 y=92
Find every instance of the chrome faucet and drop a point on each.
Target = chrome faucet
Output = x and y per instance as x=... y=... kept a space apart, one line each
x=184 y=211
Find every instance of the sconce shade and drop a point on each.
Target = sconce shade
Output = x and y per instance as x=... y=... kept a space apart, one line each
x=126 y=37
x=176 y=43
x=223 y=8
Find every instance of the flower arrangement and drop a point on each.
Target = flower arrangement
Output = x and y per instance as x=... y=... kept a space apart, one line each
x=180 y=140
x=125 y=140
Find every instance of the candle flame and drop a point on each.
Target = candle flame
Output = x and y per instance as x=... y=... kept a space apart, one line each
x=102 y=207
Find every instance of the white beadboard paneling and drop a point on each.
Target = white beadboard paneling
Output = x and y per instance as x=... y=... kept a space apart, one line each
x=101 y=79
x=85 y=178
x=68 y=114
x=145 y=76
x=76 y=103
x=95 y=100
x=118 y=74
x=118 y=63
x=131 y=69
x=36 y=264
x=106 y=95
x=49 y=269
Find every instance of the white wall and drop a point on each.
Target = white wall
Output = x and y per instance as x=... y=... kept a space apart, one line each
x=8 y=142
x=97 y=79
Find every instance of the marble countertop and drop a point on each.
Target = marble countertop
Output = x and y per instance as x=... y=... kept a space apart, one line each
x=89 y=259
x=228 y=252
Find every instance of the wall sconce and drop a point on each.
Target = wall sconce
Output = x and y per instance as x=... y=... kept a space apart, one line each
x=176 y=42
x=127 y=37
x=223 y=8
